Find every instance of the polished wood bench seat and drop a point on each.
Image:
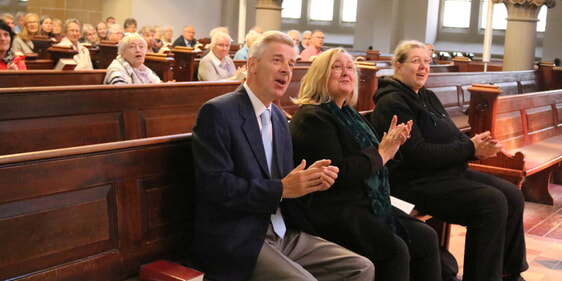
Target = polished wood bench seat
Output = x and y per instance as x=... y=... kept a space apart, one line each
x=529 y=126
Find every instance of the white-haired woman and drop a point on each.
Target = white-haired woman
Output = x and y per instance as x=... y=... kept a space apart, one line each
x=217 y=64
x=128 y=67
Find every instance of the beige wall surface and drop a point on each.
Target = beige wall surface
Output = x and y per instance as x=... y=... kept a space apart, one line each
x=86 y=11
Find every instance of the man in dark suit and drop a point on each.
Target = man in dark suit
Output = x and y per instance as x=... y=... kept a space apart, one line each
x=187 y=37
x=240 y=232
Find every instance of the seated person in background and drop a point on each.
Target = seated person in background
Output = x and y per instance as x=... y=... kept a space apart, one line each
x=89 y=35
x=71 y=30
x=9 y=60
x=167 y=36
x=57 y=29
x=217 y=64
x=295 y=35
x=23 y=43
x=110 y=21
x=19 y=21
x=432 y=172
x=315 y=46
x=257 y=29
x=187 y=37
x=101 y=29
x=128 y=67
x=356 y=211
x=147 y=32
x=246 y=180
x=242 y=54
x=115 y=33
x=305 y=40
x=130 y=26
x=8 y=19
x=46 y=24
x=157 y=42
x=431 y=52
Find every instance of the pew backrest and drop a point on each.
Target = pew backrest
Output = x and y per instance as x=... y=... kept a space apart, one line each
x=41 y=118
x=33 y=78
x=95 y=212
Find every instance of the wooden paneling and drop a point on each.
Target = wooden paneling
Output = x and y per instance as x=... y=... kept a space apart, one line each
x=95 y=212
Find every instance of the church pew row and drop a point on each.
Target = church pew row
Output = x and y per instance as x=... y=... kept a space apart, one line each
x=529 y=126
x=451 y=88
x=95 y=212
x=41 y=118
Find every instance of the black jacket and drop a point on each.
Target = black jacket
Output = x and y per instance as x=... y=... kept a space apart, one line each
x=436 y=149
x=180 y=41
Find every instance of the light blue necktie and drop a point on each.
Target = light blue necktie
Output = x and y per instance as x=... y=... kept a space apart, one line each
x=277 y=218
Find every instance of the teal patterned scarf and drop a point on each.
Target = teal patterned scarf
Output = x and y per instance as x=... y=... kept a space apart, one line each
x=379 y=188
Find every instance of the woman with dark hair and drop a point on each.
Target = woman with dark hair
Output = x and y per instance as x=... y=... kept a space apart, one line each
x=46 y=26
x=8 y=60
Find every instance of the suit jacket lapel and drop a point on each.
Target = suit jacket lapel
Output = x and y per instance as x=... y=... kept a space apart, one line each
x=251 y=129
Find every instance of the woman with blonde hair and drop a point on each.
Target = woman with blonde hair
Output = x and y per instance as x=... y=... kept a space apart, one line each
x=23 y=43
x=356 y=211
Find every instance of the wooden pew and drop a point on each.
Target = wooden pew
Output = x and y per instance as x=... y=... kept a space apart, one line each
x=41 y=118
x=162 y=65
x=41 y=44
x=33 y=78
x=529 y=126
x=106 y=53
x=451 y=88
x=95 y=212
x=184 y=67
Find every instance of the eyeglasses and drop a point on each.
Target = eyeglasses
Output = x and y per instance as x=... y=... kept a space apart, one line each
x=419 y=61
x=339 y=68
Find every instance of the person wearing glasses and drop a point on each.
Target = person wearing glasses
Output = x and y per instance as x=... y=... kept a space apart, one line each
x=23 y=43
x=356 y=212
x=432 y=171
x=217 y=64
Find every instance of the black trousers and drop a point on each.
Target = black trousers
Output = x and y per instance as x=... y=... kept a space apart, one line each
x=358 y=229
x=492 y=211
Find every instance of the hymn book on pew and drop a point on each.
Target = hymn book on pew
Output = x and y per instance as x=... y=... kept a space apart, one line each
x=66 y=64
x=168 y=271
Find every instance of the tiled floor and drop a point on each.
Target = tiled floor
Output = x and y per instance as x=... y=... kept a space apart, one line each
x=543 y=233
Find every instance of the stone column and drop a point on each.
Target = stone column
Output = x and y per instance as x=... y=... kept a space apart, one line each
x=521 y=33
x=268 y=14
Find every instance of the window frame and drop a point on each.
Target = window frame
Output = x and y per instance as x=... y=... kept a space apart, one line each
x=336 y=25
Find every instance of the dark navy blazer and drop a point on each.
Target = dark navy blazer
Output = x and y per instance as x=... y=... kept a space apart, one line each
x=235 y=196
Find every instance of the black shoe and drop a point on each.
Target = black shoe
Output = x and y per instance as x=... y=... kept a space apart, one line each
x=515 y=277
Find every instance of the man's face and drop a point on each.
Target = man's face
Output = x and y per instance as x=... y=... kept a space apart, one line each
x=270 y=75
x=188 y=33
x=306 y=38
x=317 y=39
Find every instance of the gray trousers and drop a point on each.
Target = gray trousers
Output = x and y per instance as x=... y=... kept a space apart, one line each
x=300 y=256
